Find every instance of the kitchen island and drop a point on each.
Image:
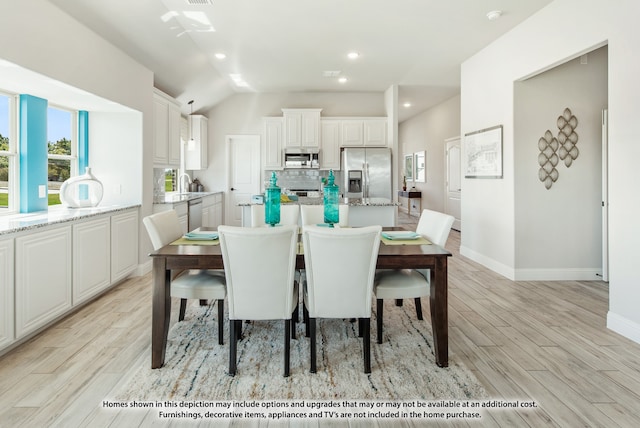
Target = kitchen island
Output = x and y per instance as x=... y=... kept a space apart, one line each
x=362 y=212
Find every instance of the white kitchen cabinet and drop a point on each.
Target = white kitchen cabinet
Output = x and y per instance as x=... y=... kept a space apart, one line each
x=6 y=293
x=91 y=258
x=124 y=244
x=166 y=130
x=330 y=131
x=182 y=209
x=301 y=127
x=43 y=278
x=367 y=132
x=212 y=210
x=196 y=150
x=273 y=142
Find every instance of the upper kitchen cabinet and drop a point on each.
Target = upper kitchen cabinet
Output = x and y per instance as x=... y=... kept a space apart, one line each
x=196 y=149
x=272 y=142
x=166 y=130
x=367 y=132
x=330 y=136
x=301 y=127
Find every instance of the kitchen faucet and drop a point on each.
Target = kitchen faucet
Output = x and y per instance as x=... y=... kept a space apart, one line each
x=181 y=186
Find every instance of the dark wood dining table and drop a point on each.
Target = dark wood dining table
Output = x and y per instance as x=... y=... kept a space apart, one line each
x=180 y=257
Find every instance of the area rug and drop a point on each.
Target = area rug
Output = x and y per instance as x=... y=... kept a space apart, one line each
x=402 y=367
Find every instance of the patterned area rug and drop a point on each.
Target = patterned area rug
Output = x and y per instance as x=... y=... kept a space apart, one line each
x=402 y=367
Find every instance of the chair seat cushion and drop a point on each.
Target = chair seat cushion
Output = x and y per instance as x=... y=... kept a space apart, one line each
x=199 y=285
x=400 y=284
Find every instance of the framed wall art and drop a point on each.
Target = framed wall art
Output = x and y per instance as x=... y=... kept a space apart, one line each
x=408 y=167
x=483 y=153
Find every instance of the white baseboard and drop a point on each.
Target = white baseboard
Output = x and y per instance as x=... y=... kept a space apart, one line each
x=143 y=268
x=591 y=274
x=623 y=326
x=489 y=263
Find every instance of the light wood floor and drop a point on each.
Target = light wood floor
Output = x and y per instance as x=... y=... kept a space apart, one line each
x=542 y=341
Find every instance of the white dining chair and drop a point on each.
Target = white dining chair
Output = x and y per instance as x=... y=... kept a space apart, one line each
x=164 y=228
x=259 y=265
x=314 y=214
x=340 y=267
x=289 y=215
x=409 y=283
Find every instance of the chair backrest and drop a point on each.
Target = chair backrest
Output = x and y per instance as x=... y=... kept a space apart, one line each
x=289 y=215
x=163 y=228
x=259 y=266
x=340 y=266
x=435 y=226
x=314 y=214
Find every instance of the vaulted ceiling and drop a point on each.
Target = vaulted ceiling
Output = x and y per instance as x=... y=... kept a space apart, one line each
x=292 y=45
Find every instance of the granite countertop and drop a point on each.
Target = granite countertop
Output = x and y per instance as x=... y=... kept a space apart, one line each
x=58 y=214
x=175 y=197
x=353 y=202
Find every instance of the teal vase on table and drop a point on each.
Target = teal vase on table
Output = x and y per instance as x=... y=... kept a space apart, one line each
x=272 y=202
x=331 y=215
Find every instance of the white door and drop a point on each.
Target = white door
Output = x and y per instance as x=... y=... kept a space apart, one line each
x=605 y=197
x=244 y=174
x=453 y=188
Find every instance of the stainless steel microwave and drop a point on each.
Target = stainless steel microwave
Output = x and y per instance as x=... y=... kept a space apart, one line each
x=301 y=158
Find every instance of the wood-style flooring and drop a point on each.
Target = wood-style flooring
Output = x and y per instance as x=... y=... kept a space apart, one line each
x=541 y=341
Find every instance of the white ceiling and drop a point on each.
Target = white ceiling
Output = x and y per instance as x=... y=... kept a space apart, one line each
x=286 y=45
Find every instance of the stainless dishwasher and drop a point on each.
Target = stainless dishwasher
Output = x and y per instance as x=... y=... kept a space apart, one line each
x=195 y=214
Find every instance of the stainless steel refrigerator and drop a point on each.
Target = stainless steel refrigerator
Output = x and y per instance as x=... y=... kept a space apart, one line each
x=366 y=172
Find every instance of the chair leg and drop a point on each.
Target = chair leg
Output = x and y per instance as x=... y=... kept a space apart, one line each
x=398 y=302
x=233 y=343
x=418 y=308
x=287 y=346
x=366 y=343
x=183 y=308
x=379 y=312
x=305 y=318
x=359 y=327
x=293 y=324
x=312 y=345
x=220 y=321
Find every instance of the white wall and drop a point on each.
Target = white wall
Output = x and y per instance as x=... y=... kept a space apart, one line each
x=487 y=90
x=559 y=230
x=427 y=131
x=38 y=36
x=243 y=113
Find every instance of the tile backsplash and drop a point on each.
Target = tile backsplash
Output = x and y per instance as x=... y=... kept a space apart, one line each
x=300 y=179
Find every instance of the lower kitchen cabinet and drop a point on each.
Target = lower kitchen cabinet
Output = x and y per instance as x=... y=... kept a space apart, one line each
x=91 y=258
x=6 y=292
x=124 y=244
x=212 y=210
x=42 y=278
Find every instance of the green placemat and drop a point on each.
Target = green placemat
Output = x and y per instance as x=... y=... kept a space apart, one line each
x=419 y=241
x=185 y=241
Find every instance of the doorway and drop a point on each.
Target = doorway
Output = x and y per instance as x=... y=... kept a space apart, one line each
x=244 y=174
x=453 y=178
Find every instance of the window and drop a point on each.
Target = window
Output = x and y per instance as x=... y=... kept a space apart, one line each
x=7 y=153
x=62 y=150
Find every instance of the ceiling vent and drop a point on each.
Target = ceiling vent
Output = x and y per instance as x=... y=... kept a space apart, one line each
x=199 y=2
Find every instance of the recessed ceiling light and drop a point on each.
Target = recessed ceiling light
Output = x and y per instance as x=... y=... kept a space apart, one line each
x=220 y=55
x=353 y=55
x=494 y=14
x=343 y=79
x=407 y=105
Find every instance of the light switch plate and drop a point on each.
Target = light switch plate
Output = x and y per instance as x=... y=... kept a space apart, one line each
x=42 y=191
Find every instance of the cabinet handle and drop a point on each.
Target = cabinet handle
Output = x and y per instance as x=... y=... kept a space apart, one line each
x=232 y=189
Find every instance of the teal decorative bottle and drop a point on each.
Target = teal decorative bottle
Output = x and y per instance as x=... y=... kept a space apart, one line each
x=272 y=202
x=331 y=215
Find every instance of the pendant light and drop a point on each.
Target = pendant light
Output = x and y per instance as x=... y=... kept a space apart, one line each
x=191 y=144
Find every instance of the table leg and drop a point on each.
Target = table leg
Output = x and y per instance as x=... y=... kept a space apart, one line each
x=161 y=311
x=439 y=311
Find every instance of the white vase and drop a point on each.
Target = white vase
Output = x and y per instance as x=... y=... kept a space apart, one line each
x=81 y=191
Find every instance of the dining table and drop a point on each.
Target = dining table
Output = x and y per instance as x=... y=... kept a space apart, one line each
x=183 y=255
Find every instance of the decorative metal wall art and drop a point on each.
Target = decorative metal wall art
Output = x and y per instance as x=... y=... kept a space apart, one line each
x=560 y=148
